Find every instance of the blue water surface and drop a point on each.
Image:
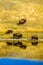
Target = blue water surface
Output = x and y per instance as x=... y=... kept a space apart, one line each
x=6 y=61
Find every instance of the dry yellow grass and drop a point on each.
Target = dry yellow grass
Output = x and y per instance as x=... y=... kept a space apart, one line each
x=11 y=11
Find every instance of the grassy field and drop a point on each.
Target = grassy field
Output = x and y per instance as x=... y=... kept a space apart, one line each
x=11 y=11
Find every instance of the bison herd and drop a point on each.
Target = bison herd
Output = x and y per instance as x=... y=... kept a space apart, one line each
x=34 y=38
